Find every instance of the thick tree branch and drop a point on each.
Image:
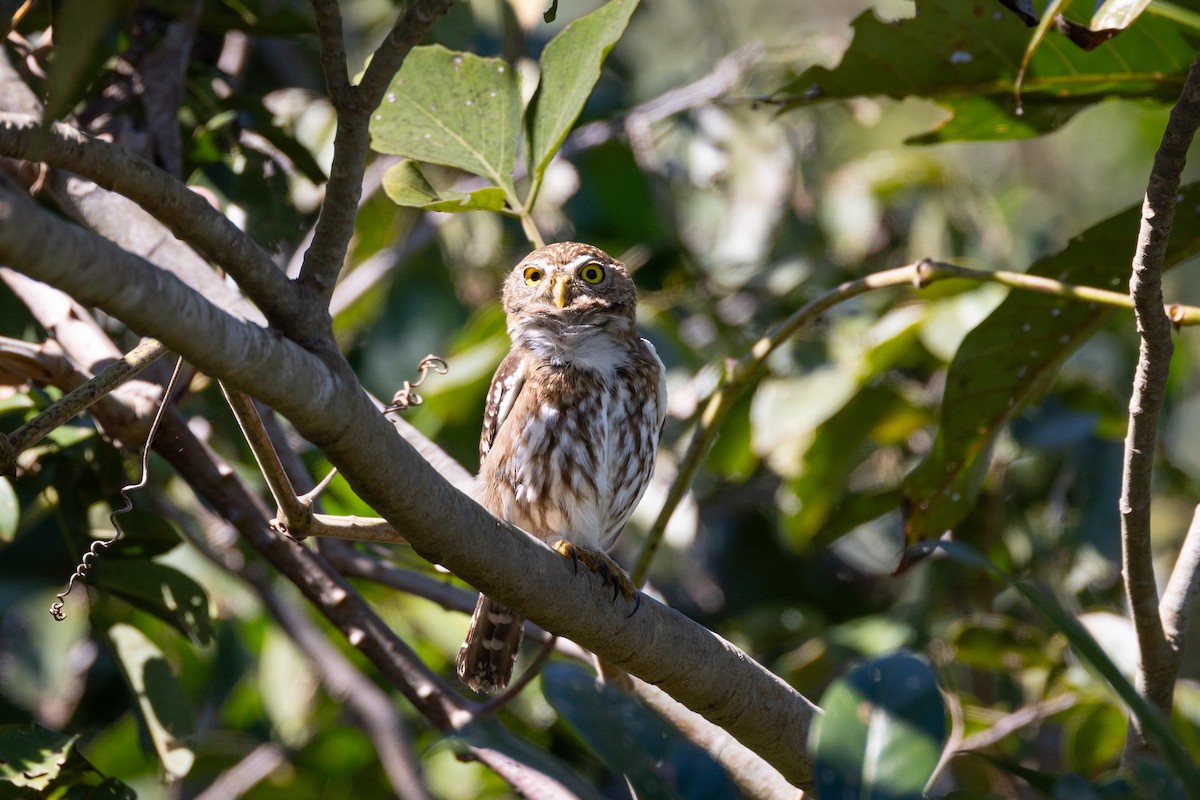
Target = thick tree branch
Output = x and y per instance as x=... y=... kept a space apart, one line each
x=335 y=225
x=323 y=400
x=186 y=214
x=1155 y=678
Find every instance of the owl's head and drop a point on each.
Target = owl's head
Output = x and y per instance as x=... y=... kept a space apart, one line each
x=570 y=283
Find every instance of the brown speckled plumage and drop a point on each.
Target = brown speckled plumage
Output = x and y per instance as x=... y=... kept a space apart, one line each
x=571 y=425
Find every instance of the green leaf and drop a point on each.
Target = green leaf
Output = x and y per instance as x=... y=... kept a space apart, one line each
x=570 y=68
x=882 y=731
x=84 y=37
x=160 y=590
x=1013 y=355
x=161 y=701
x=632 y=740
x=454 y=109
x=10 y=511
x=838 y=448
x=1112 y=14
x=1093 y=737
x=32 y=756
x=966 y=58
x=406 y=185
x=985 y=640
x=1157 y=729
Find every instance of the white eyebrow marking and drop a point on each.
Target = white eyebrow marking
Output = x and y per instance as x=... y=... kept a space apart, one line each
x=579 y=261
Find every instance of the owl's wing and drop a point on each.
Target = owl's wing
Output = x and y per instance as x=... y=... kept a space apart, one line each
x=506 y=386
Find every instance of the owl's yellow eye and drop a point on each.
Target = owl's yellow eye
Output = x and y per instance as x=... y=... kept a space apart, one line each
x=533 y=276
x=592 y=273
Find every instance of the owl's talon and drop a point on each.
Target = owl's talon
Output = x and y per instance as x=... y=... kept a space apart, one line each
x=609 y=571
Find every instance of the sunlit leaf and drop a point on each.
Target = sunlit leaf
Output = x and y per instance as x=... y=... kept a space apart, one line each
x=160 y=590
x=454 y=109
x=10 y=511
x=1094 y=736
x=965 y=56
x=632 y=740
x=882 y=731
x=570 y=68
x=161 y=701
x=32 y=756
x=1013 y=355
x=1117 y=13
x=406 y=185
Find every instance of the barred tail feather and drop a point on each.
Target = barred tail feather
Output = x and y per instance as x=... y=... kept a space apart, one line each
x=486 y=659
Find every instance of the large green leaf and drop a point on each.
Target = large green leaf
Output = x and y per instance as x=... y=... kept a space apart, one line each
x=1011 y=356
x=570 y=68
x=10 y=511
x=966 y=55
x=632 y=740
x=406 y=185
x=455 y=109
x=160 y=590
x=161 y=702
x=882 y=731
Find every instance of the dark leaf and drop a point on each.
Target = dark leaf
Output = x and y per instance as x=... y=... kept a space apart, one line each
x=161 y=701
x=85 y=35
x=632 y=740
x=1023 y=9
x=882 y=732
x=160 y=590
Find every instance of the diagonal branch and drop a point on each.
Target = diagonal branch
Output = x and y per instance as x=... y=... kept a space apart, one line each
x=1155 y=677
x=322 y=398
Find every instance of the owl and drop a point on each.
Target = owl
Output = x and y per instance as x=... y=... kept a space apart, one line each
x=570 y=429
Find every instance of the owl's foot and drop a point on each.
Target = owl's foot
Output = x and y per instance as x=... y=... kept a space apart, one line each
x=609 y=571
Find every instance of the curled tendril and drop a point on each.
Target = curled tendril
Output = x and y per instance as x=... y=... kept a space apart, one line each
x=407 y=396
x=93 y=552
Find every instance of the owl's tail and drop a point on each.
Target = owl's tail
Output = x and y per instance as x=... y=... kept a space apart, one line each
x=486 y=659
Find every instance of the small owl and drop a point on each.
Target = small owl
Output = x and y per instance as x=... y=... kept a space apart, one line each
x=570 y=430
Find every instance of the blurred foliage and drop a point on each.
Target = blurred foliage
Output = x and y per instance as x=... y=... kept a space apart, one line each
x=734 y=208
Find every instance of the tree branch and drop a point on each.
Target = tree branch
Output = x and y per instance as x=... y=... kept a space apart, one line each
x=186 y=214
x=1155 y=678
x=335 y=225
x=657 y=644
x=1183 y=588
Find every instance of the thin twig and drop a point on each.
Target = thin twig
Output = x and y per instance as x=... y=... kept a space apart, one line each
x=296 y=515
x=1155 y=677
x=77 y=400
x=93 y=552
x=1013 y=722
x=243 y=776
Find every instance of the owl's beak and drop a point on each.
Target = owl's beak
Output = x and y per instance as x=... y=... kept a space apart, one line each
x=558 y=286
